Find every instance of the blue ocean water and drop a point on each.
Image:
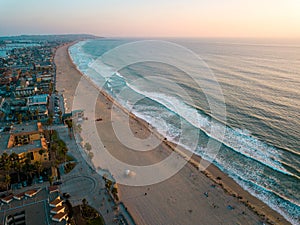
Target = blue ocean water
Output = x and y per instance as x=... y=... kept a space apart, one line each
x=260 y=80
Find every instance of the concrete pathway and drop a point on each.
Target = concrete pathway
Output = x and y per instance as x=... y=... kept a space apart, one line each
x=83 y=181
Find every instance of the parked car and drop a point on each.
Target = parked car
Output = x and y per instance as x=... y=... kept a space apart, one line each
x=57 y=183
x=40 y=180
x=24 y=183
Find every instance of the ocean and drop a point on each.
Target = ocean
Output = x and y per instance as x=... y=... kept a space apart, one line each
x=260 y=82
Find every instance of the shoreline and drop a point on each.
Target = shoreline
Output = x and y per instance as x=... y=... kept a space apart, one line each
x=219 y=178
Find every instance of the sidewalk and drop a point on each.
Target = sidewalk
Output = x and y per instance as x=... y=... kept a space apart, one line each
x=84 y=182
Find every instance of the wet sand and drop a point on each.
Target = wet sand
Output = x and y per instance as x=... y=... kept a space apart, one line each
x=190 y=196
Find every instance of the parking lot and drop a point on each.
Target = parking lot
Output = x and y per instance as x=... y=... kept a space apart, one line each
x=56 y=107
x=36 y=208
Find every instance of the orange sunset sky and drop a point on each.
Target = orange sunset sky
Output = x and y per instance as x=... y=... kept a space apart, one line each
x=144 y=18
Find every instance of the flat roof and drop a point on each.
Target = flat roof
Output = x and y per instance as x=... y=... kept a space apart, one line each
x=36 y=99
x=56 y=201
x=7 y=198
x=53 y=189
x=31 y=192
x=59 y=216
x=7 y=140
x=58 y=208
x=25 y=127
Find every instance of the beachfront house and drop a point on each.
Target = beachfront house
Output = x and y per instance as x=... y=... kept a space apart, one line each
x=60 y=217
x=57 y=202
x=58 y=209
x=37 y=105
x=29 y=144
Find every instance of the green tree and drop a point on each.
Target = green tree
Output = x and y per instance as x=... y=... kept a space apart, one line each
x=6 y=162
x=28 y=157
x=38 y=167
x=50 y=178
x=50 y=120
x=16 y=164
x=36 y=113
x=20 y=118
x=31 y=115
x=64 y=149
x=41 y=152
x=69 y=123
x=7 y=181
x=91 y=155
x=26 y=168
x=60 y=115
x=88 y=146
x=84 y=202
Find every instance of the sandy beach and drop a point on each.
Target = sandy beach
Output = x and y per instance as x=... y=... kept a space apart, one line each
x=188 y=197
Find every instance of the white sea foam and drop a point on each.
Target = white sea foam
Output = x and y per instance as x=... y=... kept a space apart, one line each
x=239 y=140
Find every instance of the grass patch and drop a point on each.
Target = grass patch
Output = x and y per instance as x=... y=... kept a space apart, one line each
x=97 y=221
x=70 y=158
x=69 y=166
x=59 y=147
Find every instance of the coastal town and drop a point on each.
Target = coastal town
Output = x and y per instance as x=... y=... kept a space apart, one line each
x=52 y=172
x=150 y=112
x=45 y=176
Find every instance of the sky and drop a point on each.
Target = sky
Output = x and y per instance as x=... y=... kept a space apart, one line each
x=155 y=18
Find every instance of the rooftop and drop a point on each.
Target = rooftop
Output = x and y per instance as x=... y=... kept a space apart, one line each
x=24 y=138
x=53 y=189
x=31 y=193
x=38 y=99
x=56 y=201
x=58 y=208
x=7 y=198
x=19 y=196
x=59 y=216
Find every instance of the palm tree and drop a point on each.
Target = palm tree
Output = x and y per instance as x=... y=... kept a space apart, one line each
x=41 y=152
x=20 y=118
x=60 y=116
x=38 y=167
x=88 y=146
x=7 y=181
x=28 y=157
x=31 y=115
x=84 y=202
x=65 y=150
x=36 y=113
x=50 y=120
x=50 y=180
x=26 y=168
x=6 y=162
x=16 y=164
